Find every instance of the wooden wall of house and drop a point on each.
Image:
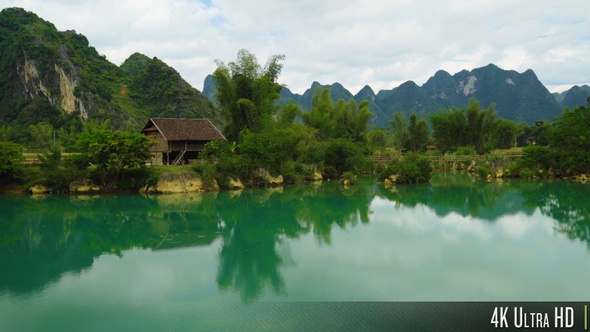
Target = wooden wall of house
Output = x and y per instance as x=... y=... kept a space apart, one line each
x=157 y=159
x=161 y=144
x=187 y=145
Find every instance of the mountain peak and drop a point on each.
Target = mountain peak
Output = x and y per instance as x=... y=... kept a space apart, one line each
x=135 y=63
x=366 y=90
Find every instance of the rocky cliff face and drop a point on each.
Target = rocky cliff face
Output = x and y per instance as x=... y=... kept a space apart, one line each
x=38 y=62
x=57 y=77
x=57 y=86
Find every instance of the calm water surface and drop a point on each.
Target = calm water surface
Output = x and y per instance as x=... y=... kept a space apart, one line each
x=208 y=261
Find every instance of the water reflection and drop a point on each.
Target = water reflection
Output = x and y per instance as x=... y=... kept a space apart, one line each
x=41 y=240
x=564 y=201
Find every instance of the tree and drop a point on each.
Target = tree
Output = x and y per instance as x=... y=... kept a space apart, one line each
x=42 y=134
x=571 y=141
x=417 y=134
x=377 y=139
x=247 y=93
x=11 y=158
x=340 y=119
x=288 y=114
x=449 y=129
x=400 y=130
x=6 y=133
x=479 y=124
x=341 y=155
x=503 y=135
x=112 y=152
x=463 y=127
x=411 y=168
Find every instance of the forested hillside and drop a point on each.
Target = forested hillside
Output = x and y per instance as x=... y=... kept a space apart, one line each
x=58 y=79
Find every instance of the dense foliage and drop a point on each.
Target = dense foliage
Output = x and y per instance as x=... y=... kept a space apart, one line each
x=247 y=93
x=340 y=119
x=161 y=92
x=113 y=152
x=571 y=141
x=11 y=158
x=411 y=168
x=472 y=126
x=412 y=136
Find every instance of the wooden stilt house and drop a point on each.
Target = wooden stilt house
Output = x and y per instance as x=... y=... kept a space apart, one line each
x=179 y=140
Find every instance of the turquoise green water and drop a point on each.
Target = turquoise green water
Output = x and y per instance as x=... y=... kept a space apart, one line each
x=207 y=261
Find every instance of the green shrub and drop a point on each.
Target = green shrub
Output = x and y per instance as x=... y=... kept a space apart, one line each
x=349 y=176
x=135 y=178
x=465 y=151
x=343 y=155
x=289 y=172
x=207 y=171
x=535 y=162
x=483 y=170
x=329 y=172
x=11 y=158
x=411 y=168
x=208 y=175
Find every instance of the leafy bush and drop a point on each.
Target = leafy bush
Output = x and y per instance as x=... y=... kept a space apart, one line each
x=329 y=172
x=56 y=172
x=207 y=171
x=466 y=151
x=411 y=168
x=289 y=172
x=343 y=155
x=136 y=178
x=483 y=170
x=535 y=162
x=571 y=141
x=311 y=151
x=11 y=158
x=113 y=152
x=349 y=176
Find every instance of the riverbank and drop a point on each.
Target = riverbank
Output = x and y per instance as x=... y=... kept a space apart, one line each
x=204 y=176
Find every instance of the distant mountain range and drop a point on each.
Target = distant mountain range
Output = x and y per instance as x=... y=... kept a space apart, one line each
x=520 y=97
x=52 y=76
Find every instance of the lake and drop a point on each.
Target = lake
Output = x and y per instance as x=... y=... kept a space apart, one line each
x=230 y=260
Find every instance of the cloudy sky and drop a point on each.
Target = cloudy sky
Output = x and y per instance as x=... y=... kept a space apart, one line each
x=380 y=43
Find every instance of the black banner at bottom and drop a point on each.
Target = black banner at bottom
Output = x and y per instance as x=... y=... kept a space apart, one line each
x=416 y=316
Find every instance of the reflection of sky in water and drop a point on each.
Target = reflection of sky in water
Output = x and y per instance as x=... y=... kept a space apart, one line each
x=412 y=254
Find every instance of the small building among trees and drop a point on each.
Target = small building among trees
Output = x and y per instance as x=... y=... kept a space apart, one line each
x=178 y=141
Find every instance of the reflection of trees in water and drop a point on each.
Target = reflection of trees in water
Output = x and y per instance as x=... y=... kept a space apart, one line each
x=334 y=205
x=259 y=222
x=255 y=223
x=44 y=241
x=564 y=201
x=40 y=241
x=460 y=194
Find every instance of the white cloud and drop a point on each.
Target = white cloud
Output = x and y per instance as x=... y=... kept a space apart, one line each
x=379 y=43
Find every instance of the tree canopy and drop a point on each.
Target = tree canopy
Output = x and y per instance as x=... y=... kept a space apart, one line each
x=571 y=141
x=340 y=119
x=11 y=157
x=112 y=152
x=463 y=127
x=247 y=93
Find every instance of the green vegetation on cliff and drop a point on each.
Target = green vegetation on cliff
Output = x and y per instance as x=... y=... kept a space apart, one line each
x=59 y=79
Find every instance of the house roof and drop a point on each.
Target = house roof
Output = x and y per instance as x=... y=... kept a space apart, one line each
x=183 y=129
